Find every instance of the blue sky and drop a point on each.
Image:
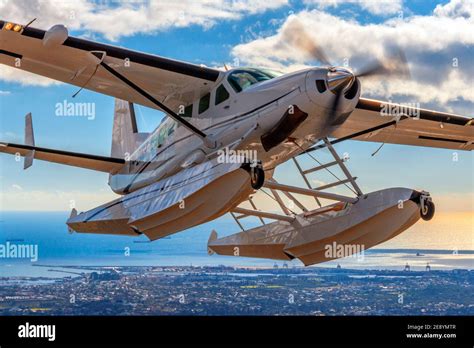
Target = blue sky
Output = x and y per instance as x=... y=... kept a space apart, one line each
x=214 y=35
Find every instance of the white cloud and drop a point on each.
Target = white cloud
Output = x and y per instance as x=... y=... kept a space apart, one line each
x=318 y=182
x=378 y=7
x=113 y=22
x=453 y=88
x=432 y=44
x=24 y=78
x=9 y=136
x=456 y=8
x=133 y=17
x=5 y=92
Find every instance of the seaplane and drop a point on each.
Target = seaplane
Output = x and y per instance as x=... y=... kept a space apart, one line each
x=175 y=177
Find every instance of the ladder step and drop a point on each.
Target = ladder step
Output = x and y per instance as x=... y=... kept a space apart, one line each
x=263 y=214
x=337 y=183
x=327 y=165
x=241 y=216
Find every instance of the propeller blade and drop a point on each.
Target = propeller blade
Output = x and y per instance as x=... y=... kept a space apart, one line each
x=335 y=105
x=372 y=69
x=338 y=80
x=395 y=65
x=295 y=34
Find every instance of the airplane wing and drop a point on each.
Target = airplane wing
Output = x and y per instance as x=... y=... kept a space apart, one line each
x=56 y=55
x=93 y=162
x=380 y=121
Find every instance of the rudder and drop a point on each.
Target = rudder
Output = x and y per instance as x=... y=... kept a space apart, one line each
x=125 y=135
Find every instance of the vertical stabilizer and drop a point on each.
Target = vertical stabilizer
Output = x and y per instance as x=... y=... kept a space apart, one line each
x=29 y=140
x=125 y=135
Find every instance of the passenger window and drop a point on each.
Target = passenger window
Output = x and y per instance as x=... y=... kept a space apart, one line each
x=188 y=111
x=204 y=103
x=221 y=94
x=171 y=129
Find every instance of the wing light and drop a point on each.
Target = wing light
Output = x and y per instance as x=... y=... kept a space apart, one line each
x=17 y=28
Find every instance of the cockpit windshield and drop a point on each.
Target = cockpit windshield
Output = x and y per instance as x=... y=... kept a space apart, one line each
x=244 y=78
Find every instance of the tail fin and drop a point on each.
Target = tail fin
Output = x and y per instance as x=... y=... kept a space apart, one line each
x=29 y=140
x=125 y=135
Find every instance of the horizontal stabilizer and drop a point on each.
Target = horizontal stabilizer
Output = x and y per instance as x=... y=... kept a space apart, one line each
x=211 y=239
x=72 y=216
x=75 y=159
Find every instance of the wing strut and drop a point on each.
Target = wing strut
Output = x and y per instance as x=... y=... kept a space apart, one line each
x=354 y=135
x=209 y=143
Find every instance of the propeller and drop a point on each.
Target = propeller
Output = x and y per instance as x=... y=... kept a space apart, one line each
x=341 y=79
x=295 y=34
x=395 y=64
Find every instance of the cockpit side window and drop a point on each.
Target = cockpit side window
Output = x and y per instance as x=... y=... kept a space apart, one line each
x=243 y=79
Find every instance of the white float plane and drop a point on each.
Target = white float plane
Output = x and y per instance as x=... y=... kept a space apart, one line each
x=174 y=178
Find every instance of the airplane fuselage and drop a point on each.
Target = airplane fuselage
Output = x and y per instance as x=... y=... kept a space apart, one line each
x=237 y=122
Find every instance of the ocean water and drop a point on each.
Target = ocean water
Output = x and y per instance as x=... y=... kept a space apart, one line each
x=446 y=242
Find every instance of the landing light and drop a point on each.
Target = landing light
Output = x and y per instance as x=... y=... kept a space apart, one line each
x=13 y=27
